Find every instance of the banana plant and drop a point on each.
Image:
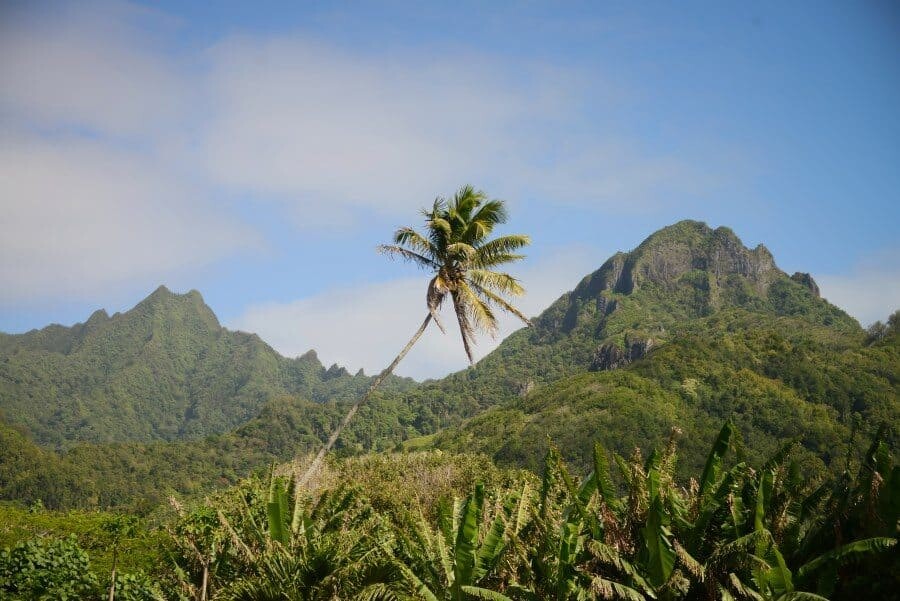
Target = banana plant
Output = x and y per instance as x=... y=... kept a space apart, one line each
x=305 y=551
x=460 y=558
x=570 y=560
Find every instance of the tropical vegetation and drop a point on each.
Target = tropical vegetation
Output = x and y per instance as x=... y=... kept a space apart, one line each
x=629 y=529
x=154 y=454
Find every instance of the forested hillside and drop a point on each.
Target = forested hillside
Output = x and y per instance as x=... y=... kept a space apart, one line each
x=165 y=370
x=688 y=330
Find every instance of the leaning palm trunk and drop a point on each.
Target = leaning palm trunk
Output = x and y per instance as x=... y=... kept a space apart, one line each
x=317 y=462
x=457 y=251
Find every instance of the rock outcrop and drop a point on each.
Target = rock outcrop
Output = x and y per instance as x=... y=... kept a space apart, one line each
x=610 y=356
x=804 y=279
x=666 y=256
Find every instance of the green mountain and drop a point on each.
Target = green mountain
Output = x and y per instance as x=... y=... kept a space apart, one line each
x=636 y=303
x=165 y=370
x=689 y=329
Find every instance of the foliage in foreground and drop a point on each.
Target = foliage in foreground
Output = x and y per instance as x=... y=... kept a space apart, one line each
x=733 y=533
x=629 y=530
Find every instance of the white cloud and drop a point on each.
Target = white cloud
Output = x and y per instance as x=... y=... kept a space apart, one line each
x=90 y=206
x=618 y=176
x=116 y=142
x=366 y=326
x=870 y=291
x=305 y=121
x=321 y=127
x=78 y=219
x=93 y=68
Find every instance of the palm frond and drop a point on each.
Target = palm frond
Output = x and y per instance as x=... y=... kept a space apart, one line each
x=482 y=223
x=504 y=246
x=482 y=315
x=465 y=325
x=499 y=282
x=497 y=260
x=465 y=251
x=408 y=255
x=492 y=212
x=500 y=302
x=440 y=232
x=410 y=238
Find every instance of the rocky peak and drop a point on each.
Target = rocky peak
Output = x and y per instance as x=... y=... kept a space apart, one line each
x=97 y=317
x=311 y=357
x=691 y=245
x=672 y=252
x=335 y=371
x=804 y=279
x=165 y=303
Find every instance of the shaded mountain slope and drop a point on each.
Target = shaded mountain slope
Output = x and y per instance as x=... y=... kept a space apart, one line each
x=776 y=378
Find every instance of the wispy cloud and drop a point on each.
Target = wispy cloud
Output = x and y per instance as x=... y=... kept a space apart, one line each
x=121 y=147
x=870 y=291
x=320 y=127
x=79 y=218
x=366 y=326
x=92 y=69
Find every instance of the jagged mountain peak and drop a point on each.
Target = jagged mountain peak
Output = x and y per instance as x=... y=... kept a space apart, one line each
x=682 y=272
x=164 y=369
x=163 y=296
x=687 y=248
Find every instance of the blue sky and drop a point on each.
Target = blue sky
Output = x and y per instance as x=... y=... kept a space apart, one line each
x=259 y=151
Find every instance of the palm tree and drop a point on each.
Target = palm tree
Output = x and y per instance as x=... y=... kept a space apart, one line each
x=457 y=249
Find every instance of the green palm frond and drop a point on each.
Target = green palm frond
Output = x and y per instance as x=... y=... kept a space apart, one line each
x=465 y=325
x=497 y=260
x=464 y=252
x=502 y=246
x=501 y=302
x=410 y=238
x=497 y=282
x=481 y=314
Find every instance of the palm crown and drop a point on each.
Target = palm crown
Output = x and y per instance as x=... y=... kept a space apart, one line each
x=457 y=248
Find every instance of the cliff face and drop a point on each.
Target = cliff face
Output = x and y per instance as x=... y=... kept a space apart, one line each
x=683 y=249
x=610 y=356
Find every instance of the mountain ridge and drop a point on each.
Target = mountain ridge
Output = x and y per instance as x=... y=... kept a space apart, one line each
x=690 y=328
x=164 y=370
